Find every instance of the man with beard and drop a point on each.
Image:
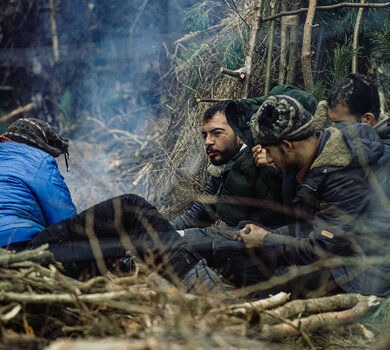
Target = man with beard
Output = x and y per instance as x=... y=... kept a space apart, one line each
x=223 y=146
x=340 y=227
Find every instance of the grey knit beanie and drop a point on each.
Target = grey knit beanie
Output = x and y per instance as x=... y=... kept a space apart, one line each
x=280 y=118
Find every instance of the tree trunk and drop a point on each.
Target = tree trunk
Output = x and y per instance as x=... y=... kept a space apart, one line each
x=268 y=72
x=252 y=43
x=306 y=46
x=355 y=43
x=283 y=46
x=293 y=47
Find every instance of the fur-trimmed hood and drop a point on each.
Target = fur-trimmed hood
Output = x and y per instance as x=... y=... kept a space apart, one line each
x=349 y=144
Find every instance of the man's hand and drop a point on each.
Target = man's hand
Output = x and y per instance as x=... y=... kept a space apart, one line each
x=252 y=236
x=260 y=156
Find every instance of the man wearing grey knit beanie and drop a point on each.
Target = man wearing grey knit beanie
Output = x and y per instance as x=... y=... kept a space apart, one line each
x=330 y=175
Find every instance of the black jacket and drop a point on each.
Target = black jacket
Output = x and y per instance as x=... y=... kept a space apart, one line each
x=338 y=212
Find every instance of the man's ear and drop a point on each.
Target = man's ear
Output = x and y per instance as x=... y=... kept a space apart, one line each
x=368 y=118
x=240 y=142
x=287 y=145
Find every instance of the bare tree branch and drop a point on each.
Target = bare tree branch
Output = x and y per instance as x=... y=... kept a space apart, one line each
x=356 y=38
x=326 y=8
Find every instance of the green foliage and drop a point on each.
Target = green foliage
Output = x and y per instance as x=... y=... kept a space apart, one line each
x=381 y=42
x=318 y=91
x=197 y=17
x=343 y=54
x=330 y=20
x=381 y=314
x=232 y=51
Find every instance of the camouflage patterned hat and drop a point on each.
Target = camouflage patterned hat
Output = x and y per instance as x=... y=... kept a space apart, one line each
x=279 y=118
x=37 y=133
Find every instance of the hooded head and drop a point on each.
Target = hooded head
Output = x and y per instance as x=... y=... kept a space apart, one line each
x=39 y=134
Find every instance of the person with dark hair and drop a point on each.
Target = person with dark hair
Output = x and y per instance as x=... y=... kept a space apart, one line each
x=245 y=192
x=334 y=171
x=356 y=99
x=223 y=147
x=36 y=208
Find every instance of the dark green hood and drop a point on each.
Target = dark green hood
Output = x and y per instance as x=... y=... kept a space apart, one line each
x=239 y=112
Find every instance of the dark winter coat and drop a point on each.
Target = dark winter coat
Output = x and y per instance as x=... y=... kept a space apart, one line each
x=244 y=191
x=202 y=214
x=338 y=211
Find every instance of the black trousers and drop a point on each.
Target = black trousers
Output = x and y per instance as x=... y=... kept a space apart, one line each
x=245 y=267
x=104 y=232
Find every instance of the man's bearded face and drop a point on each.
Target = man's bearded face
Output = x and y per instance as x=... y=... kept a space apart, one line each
x=222 y=144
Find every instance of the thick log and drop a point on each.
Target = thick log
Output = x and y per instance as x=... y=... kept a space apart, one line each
x=314 y=322
x=232 y=73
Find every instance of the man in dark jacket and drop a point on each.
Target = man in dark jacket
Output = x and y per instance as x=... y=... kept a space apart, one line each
x=222 y=147
x=245 y=191
x=336 y=217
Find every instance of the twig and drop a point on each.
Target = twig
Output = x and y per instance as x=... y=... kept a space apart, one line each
x=193 y=34
x=40 y=254
x=93 y=298
x=137 y=17
x=326 y=8
x=213 y=100
x=17 y=111
x=262 y=304
x=54 y=35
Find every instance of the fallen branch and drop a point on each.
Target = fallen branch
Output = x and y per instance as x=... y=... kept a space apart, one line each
x=232 y=73
x=16 y=112
x=310 y=306
x=259 y=305
x=326 y=8
x=314 y=322
x=213 y=100
x=94 y=298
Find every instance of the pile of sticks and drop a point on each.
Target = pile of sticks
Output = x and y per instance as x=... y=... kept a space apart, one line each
x=38 y=304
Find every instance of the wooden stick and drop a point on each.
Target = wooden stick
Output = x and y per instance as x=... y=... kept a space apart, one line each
x=356 y=37
x=94 y=298
x=310 y=306
x=262 y=304
x=213 y=100
x=54 y=35
x=16 y=112
x=232 y=73
x=326 y=8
